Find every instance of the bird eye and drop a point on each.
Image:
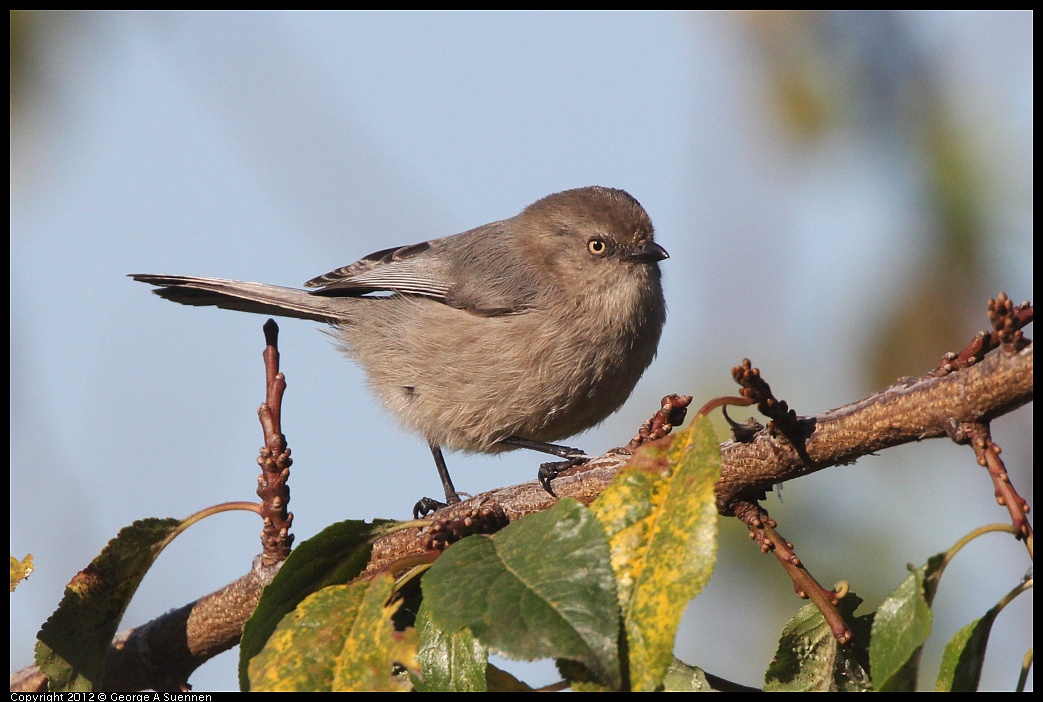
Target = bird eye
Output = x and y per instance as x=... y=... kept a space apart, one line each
x=597 y=247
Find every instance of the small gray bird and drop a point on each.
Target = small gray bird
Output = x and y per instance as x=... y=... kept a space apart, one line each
x=514 y=334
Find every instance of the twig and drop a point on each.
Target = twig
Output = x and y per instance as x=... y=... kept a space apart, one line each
x=1007 y=322
x=275 y=461
x=988 y=455
x=762 y=530
x=671 y=414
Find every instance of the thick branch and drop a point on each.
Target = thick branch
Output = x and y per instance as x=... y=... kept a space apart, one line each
x=163 y=653
x=911 y=409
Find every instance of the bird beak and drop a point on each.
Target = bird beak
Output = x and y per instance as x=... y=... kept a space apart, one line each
x=650 y=252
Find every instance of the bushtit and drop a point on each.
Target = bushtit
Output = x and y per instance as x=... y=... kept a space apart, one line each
x=514 y=334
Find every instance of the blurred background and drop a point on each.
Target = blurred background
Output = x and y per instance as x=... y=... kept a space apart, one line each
x=840 y=193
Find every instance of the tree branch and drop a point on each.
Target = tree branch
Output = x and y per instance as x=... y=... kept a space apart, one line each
x=968 y=390
x=912 y=409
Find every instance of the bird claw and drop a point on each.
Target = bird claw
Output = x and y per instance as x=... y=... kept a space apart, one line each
x=425 y=506
x=549 y=471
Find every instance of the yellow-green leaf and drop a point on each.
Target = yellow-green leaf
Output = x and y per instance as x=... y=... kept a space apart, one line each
x=332 y=557
x=661 y=520
x=340 y=638
x=20 y=569
x=374 y=649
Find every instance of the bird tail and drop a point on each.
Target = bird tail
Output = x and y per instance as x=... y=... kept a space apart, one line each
x=247 y=297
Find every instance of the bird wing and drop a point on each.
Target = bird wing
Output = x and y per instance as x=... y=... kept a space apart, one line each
x=460 y=271
x=403 y=269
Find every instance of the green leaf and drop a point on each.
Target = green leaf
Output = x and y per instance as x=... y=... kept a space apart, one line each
x=540 y=588
x=965 y=654
x=20 y=570
x=901 y=626
x=810 y=659
x=333 y=556
x=449 y=662
x=73 y=641
x=661 y=519
x=340 y=638
x=681 y=677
